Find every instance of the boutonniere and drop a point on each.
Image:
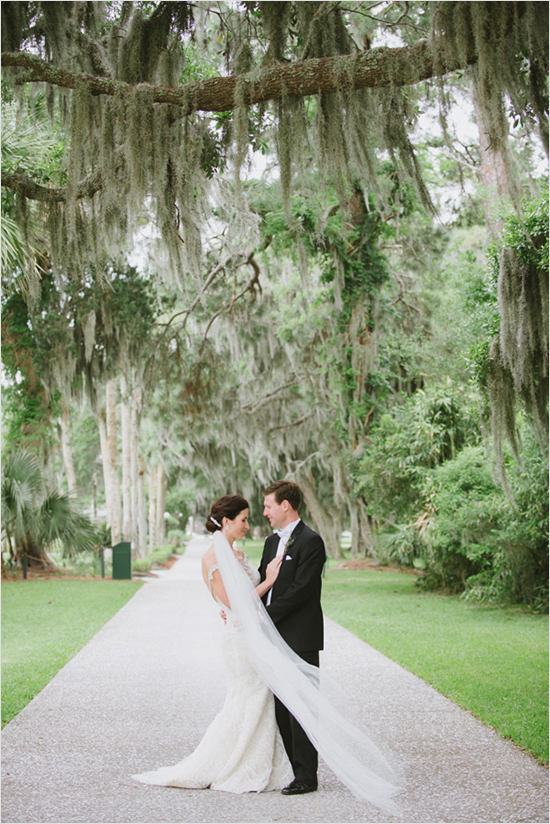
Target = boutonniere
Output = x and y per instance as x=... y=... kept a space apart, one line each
x=287 y=547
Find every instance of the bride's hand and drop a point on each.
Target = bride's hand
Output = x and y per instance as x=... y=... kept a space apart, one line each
x=273 y=570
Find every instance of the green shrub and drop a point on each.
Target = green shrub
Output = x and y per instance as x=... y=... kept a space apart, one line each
x=424 y=431
x=524 y=535
x=175 y=537
x=155 y=558
x=464 y=509
x=399 y=544
x=141 y=565
x=479 y=541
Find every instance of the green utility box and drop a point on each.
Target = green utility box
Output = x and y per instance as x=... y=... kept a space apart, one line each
x=122 y=560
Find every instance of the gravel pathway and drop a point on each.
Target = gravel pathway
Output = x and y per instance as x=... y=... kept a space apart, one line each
x=142 y=692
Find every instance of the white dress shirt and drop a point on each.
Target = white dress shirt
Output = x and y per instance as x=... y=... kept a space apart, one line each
x=284 y=536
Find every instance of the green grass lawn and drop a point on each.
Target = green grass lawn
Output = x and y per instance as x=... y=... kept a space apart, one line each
x=491 y=661
x=44 y=624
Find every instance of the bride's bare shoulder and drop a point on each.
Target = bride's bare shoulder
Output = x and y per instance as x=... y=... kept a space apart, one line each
x=208 y=558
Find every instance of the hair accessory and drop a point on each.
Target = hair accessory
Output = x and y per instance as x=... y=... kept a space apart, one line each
x=215 y=522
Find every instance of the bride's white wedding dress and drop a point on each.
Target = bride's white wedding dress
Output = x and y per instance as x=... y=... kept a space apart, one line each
x=242 y=750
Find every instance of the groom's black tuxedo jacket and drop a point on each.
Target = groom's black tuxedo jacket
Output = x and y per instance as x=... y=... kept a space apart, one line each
x=295 y=607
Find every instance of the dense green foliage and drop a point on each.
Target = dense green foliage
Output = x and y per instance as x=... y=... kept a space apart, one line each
x=55 y=352
x=492 y=662
x=473 y=523
x=44 y=624
x=156 y=558
x=28 y=408
x=428 y=429
x=479 y=540
x=32 y=146
x=510 y=364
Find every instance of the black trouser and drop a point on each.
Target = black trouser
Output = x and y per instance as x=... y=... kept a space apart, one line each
x=300 y=750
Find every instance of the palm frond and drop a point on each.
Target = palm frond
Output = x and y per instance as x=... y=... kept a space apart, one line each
x=25 y=140
x=21 y=482
x=61 y=521
x=21 y=488
x=12 y=244
x=35 y=519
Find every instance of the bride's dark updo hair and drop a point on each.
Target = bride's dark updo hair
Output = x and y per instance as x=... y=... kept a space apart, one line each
x=227 y=507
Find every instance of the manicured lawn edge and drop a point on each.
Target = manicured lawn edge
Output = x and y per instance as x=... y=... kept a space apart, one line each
x=44 y=624
x=490 y=661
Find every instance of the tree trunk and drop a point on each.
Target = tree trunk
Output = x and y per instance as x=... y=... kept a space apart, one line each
x=67 y=452
x=367 y=532
x=11 y=550
x=93 y=505
x=138 y=493
x=152 y=509
x=355 y=530
x=327 y=524
x=110 y=397
x=361 y=531
x=141 y=512
x=161 y=503
x=37 y=557
x=105 y=464
x=125 y=427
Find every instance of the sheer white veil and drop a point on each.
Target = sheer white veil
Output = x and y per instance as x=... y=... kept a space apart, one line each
x=313 y=698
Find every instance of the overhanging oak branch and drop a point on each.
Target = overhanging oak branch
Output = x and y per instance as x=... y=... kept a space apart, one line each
x=35 y=191
x=374 y=68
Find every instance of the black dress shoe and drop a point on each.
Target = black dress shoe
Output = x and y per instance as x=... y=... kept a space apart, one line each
x=299 y=788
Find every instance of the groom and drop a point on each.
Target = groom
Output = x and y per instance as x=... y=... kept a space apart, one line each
x=294 y=605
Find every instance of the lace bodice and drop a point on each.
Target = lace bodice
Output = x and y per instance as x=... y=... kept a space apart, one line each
x=251 y=572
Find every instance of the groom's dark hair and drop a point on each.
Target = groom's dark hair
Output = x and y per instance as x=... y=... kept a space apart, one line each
x=285 y=491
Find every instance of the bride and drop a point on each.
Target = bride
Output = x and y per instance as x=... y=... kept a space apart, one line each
x=242 y=750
